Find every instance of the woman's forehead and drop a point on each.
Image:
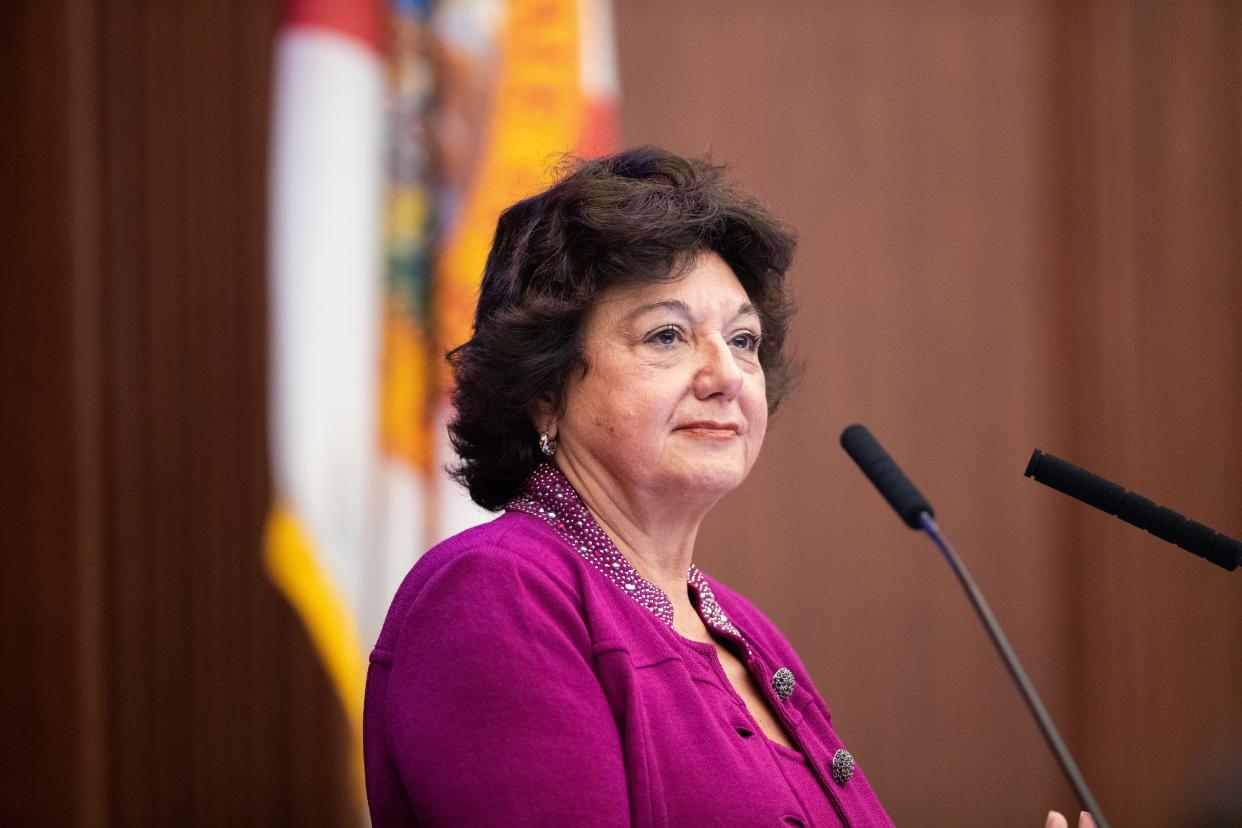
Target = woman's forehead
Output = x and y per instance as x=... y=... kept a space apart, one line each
x=707 y=287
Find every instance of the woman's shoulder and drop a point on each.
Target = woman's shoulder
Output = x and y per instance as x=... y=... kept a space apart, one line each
x=511 y=541
x=509 y=559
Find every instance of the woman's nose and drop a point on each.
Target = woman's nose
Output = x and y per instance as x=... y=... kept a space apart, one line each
x=718 y=371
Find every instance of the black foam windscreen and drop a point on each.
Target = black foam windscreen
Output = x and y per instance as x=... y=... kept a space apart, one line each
x=885 y=475
x=1134 y=509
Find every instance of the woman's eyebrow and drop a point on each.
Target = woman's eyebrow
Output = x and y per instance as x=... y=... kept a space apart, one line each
x=680 y=307
x=668 y=304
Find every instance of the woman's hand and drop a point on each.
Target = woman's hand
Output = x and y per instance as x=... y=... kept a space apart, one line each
x=1057 y=820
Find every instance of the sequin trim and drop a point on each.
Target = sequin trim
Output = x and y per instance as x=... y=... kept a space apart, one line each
x=710 y=611
x=549 y=496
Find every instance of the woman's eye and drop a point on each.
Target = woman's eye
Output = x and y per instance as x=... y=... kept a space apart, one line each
x=746 y=340
x=664 y=336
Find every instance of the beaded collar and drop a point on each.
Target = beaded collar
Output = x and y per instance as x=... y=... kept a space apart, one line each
x=549 y=497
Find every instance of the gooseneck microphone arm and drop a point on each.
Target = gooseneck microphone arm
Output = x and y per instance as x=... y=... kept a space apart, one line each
x=1033 y=703
x=917 y=514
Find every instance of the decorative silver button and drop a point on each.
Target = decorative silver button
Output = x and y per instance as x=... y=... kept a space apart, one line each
x=842 y=766
x=783 y=683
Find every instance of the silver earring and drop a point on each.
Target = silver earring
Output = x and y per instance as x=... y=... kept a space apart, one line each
x=547 y=445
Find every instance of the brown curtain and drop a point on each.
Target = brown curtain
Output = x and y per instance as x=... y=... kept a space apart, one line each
x=1019 y=228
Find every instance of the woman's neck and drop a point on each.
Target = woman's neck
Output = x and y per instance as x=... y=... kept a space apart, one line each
x=655 y=533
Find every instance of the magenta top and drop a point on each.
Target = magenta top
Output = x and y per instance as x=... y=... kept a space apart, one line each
x=527 y=675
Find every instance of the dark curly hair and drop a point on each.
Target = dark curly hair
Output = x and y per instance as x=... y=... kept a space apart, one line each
x=637 y=216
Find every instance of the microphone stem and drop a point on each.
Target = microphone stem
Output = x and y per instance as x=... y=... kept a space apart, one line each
x=1033 y=703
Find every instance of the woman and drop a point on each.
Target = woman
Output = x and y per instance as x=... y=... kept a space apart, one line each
x=567 y=664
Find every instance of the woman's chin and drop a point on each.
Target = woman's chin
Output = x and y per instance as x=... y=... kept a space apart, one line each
x=709 y=477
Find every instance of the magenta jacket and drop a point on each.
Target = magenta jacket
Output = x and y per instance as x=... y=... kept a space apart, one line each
x=526 y=675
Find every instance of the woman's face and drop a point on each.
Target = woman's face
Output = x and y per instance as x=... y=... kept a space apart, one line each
x=673 y=400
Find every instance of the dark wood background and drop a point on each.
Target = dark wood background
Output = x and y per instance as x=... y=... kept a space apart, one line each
x=1019 y=228
x=152 y=674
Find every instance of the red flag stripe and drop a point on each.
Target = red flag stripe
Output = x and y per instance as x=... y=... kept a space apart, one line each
x=359 y=19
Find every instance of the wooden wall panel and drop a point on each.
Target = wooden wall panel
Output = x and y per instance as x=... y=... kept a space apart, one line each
x=220 y=711
x=49 y=726
x=1151 y=199
x=156 y=676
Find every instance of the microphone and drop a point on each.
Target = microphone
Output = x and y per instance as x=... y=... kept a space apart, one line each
x=884 y=475
x=917 y=514
x=1134 y=509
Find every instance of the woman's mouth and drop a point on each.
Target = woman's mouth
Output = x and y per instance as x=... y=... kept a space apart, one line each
x=710 y=429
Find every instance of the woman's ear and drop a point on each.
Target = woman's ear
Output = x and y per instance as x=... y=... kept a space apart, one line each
x=544 y=416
